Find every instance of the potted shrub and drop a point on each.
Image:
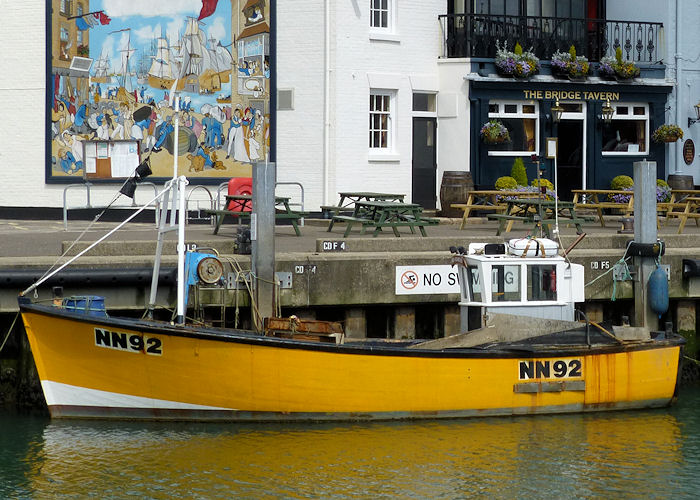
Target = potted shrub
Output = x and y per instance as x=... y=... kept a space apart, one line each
x=667 y=133
x=569 y=65
x=506 y=183
x=494 y=132
x=615 y=67
x=621 y=183
x=518 y=172
x=517 y=63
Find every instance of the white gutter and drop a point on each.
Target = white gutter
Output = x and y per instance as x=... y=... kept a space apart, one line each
x=326 y=99
x=673 y=151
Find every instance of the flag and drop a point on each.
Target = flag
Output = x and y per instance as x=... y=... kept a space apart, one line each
x=83 y=24
x=102 y=18
x=208 y=8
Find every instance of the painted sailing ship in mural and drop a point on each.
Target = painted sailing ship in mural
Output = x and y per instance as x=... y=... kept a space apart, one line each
x=103 y=69
x=204 y=66
x=160 y=74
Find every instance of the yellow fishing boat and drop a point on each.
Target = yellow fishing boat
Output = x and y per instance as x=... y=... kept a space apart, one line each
x=520 y=350
x=539 y=361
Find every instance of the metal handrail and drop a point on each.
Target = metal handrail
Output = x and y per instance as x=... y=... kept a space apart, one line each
x=301 y=204
x=187 y=204
x=88 y=205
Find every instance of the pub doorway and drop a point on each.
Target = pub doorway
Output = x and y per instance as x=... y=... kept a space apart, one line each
x=571 y=151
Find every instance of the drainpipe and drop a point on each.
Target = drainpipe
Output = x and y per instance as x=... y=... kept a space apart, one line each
x=327 y=99
x=673 y=152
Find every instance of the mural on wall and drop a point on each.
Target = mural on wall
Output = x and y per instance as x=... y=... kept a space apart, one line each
x=115 y=64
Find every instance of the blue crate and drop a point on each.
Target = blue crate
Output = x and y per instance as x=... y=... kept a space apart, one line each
x=91 y=305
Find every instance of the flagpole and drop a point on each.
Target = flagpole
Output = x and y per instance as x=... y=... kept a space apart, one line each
x=88 y=14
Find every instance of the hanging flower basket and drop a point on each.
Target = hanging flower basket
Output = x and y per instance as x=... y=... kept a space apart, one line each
x=516 y=64
x=667 y=133
x=494 y=132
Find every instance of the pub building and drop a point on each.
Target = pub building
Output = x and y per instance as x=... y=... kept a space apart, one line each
x=603 y=124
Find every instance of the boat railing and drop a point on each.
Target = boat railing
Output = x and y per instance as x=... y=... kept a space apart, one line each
x=88 y=203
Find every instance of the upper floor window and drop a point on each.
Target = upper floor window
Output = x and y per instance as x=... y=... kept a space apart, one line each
x=79 y=10
x=381 y=111
x=65 y=7
x=379 y=14
x=64 y=34
x=628 y=131
x=521 y=118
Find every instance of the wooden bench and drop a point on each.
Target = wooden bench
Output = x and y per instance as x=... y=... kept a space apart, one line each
x=328 y=211
x=589 y=199
x=506 y=222
x=690 y=211
x=350 y=220
x=489 y=200
x=221 y=214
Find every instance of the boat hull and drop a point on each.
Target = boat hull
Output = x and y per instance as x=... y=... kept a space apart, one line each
x=109 y=368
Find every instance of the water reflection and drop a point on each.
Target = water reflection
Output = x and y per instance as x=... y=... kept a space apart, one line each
x=621 y=454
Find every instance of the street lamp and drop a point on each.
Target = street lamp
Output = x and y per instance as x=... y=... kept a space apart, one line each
x=557 y=111
x=607 y=112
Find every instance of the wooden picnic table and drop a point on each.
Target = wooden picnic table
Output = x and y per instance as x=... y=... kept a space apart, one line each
x=489 y=200
x=599 y=199
x=381 y=214
x=240 y=206
x=691 y=209
x=537 y=212
x=348 y=199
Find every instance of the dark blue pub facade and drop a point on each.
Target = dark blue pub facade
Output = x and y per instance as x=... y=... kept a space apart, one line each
x=593 y=147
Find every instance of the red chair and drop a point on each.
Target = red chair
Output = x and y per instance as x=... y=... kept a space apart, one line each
x=237 y=186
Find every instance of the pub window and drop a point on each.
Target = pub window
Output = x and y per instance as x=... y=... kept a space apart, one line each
x=628 y=131
x=522 y=121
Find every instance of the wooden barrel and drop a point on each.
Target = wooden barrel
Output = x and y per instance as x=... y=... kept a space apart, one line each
x=676 y=181
x=454 y=189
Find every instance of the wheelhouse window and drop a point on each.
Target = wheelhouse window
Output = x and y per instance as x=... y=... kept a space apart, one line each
x=521 y=118
x=542 y=282
x=505 y=285
x=628 y=131
x=381 y=121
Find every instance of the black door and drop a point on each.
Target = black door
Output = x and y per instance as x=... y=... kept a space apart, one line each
x=424 y=171
x=570 y=157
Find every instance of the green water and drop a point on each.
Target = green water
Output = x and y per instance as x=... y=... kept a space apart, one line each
x=634 y=454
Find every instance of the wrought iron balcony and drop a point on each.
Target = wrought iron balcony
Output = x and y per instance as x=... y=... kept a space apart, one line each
x=475 y=35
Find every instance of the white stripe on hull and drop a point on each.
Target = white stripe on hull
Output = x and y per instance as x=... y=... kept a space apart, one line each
x=60 y=394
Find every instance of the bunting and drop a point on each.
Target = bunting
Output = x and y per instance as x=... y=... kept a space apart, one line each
x=208 y=8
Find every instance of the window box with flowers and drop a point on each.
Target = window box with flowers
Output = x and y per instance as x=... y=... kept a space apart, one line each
x=516 y=64
x=494 y=132
x=616 y=68
x=667 y=133
x=569 y=65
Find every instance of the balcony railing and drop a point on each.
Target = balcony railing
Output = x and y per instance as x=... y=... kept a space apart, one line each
x=475 y=35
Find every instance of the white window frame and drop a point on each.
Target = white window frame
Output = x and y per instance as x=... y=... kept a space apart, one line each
x=645 y=117
x=379 y=153
x=519 y=114
x=387 y=32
